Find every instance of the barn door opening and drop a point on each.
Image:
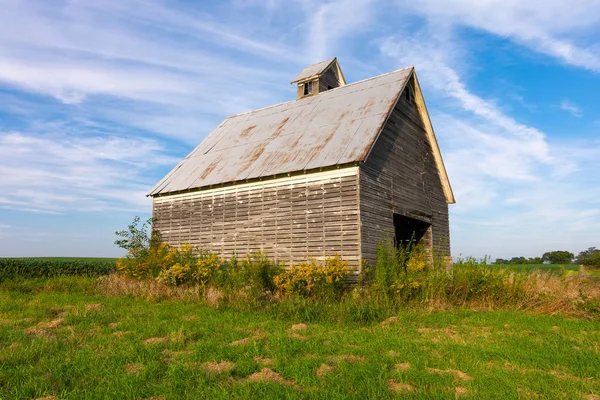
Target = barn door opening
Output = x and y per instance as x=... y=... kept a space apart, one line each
x=410 y=231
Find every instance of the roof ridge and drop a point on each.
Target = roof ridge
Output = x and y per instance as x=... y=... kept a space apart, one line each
x=312 y=97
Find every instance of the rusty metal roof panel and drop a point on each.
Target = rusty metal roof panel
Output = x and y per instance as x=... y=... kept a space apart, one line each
x=334 y=127
x=313 y=70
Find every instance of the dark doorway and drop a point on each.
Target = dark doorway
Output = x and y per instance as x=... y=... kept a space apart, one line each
x=409 y=231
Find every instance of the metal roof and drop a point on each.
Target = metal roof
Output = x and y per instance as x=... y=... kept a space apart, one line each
x=313 y=70
x=335 y=127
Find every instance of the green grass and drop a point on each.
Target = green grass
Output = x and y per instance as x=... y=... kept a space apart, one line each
x=71 y=258
x=552 y=268
x=58 y=337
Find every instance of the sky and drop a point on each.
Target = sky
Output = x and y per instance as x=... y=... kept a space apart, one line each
x=99 y=99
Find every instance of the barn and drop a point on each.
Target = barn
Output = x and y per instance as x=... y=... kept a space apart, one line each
x=334 y=171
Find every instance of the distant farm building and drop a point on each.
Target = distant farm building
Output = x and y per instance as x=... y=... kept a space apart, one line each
x=332 y=172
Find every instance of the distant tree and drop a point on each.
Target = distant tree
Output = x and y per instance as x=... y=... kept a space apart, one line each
x=518 y=260
x=500 y=261
x=589 y=257
x=558 y=257
x=535 y=260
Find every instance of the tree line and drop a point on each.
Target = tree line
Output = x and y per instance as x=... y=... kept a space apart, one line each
x=589 y=257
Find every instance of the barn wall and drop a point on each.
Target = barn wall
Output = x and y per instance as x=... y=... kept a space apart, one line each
x=400 y=176
x=290 y=219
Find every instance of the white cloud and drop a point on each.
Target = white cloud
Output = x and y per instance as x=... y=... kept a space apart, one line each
x=51 y=174
x=511 y=183
x=108 y=71
x=327 y=23
x=554 y=27
x=568 y=106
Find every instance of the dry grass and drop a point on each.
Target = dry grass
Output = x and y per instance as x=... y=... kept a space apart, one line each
x=454 y=372
x=402 y=367
x=299 y=327
x=537 y=292
x=215 y=368
x=297 y=336
x=267 y=362
x=323 y=370
x=399 y=387
x=93 y=307
x=44 y=328
x=348 y=357
x=134 y=368
x=268 y=375
x=388 y=321
x=156 y=340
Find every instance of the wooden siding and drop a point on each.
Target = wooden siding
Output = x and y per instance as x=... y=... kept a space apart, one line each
x=329 y=78
x=290 y=219
x=400 y=176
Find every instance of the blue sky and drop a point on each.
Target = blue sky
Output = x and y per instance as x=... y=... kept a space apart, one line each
x=99 y=99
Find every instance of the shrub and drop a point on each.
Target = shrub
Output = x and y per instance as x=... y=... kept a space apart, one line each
x=314 y=278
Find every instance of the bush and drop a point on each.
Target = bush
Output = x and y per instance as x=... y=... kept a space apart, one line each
x=314 y=279
x=402 y=276
x=23 y=268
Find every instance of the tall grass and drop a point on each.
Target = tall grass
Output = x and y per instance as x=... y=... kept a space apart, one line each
x=403 y=277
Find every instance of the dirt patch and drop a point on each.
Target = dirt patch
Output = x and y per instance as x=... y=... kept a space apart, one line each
x=399 y=387
x=323 y=370
x=114 y=324
x=121 y=333
x=299 y=327
x=591 y=397
x=268 y=362
x=156 y=340
x=348 y=357
x=93 y=307
x=268 y=375
x=460 y=392
x=454 y=372
x=50 y=397
x=402 y=367
x=218 y=368
x=189 y=317
x=388 y=321
x=134 y=368
x=393 y=353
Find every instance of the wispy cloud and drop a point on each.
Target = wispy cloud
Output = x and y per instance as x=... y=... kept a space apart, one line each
x=101 y=98
x=494 y=159
x=568 y=106
x=554 y=27
x=51 y=174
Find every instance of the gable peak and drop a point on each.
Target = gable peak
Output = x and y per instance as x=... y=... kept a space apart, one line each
x=319 y=77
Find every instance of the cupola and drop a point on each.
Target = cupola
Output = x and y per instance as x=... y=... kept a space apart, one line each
x=318 y=78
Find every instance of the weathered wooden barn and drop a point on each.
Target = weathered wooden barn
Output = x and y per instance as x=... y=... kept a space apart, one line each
x=333 y=172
